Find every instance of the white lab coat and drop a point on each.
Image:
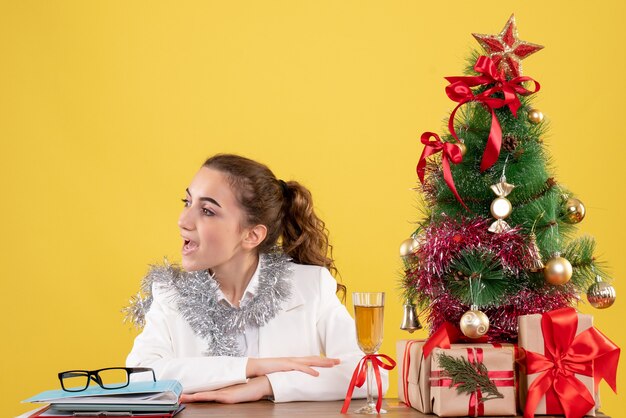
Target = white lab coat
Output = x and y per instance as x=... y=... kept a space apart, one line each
x=312 y=322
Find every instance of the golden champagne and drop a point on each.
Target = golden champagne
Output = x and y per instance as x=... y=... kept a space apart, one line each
x=369 y=327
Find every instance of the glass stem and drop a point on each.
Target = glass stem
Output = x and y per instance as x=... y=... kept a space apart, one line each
x=370 y=381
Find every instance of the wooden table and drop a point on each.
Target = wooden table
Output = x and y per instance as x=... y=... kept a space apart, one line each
x=295 y=409
x=298 y=409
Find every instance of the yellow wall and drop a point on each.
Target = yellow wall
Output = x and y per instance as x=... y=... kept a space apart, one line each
x=107 y=108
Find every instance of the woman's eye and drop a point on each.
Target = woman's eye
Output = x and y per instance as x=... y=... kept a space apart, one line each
x=186 y=202
x=208 y=212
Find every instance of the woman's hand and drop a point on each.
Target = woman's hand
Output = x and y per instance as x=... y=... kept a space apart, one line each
x=256 y=388
x=263 y=366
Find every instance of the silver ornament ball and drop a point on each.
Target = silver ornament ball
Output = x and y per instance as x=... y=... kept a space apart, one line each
x=601 y=295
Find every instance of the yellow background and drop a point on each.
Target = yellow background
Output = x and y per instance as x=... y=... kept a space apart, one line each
x=107 y=109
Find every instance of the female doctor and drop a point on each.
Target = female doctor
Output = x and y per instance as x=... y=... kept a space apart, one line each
x=253 y=313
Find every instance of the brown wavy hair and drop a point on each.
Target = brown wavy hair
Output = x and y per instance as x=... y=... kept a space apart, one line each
x=285 y=208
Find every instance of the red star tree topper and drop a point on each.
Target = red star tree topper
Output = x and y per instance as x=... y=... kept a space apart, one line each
x=506 y=49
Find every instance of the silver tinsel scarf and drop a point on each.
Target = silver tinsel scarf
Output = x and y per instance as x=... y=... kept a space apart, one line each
x=195 y=295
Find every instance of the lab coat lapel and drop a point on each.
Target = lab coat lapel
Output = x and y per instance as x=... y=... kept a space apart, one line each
x=272 y=335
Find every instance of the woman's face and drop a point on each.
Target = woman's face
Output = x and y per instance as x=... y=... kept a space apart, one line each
x=211 y=222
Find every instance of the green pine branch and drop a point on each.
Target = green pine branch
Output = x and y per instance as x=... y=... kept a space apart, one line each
x=477 y=278
x=468 y=377
x=580 y=253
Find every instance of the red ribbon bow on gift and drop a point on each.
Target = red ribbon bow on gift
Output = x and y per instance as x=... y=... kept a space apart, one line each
x=588 y=353
x=360 y=375
x=450 y=152
x=459 y=90
x=445 y=335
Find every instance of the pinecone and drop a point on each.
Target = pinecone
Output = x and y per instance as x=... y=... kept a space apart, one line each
x=509 y=142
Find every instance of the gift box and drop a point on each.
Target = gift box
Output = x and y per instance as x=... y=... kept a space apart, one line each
x=486 y=373
x=414 y=371
x=565 y=359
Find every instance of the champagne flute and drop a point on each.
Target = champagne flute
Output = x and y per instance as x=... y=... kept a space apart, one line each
x=368 y=313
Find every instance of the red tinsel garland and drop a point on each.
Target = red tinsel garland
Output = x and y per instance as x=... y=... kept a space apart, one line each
x=444 y=240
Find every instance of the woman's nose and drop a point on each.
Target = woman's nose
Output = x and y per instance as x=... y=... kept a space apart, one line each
x=185 y=220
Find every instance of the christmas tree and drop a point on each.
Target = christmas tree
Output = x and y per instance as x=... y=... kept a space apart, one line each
x=497 y=239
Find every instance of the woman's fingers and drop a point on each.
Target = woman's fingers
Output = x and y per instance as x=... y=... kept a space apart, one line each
x=198 y=397
x=306 y=364
x=264 y=366
x=222 y=396
x=253 y=390
x=317 y=361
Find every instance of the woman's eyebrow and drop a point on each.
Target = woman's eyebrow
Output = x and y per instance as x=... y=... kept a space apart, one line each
x=206 y=199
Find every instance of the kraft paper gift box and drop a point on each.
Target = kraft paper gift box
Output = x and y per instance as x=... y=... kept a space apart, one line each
x=531 y=338
x=500 y=363
x=414 y=372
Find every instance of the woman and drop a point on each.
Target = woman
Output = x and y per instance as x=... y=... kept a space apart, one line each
x=254 y=313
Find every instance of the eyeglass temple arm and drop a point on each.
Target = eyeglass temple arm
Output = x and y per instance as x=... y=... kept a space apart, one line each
x=143 y=369
x=71 y=374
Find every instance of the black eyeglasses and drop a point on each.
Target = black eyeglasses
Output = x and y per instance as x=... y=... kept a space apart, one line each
x=109 y=378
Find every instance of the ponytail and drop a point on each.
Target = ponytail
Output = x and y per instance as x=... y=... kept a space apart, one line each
x=304 y=236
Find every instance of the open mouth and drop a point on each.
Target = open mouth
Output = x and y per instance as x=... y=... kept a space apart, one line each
x=189 y=246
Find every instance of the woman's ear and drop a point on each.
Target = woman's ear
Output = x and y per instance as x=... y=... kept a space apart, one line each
x=254 y=237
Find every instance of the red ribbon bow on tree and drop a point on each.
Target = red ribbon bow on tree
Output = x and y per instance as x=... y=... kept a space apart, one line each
x=360 y=375
x=459 y=90
x=450 y=152
x=589 y=353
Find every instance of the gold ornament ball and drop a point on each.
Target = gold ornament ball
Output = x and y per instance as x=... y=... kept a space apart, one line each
x=535 y=116
x=408 y=247
x=501 y=208
x=574 y=211
x=557 y=271
x=601 y=295
x=462 y=147
x=474 y=323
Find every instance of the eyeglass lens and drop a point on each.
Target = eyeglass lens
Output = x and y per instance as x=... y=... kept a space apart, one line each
x=75 y=381
x=112 y=378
